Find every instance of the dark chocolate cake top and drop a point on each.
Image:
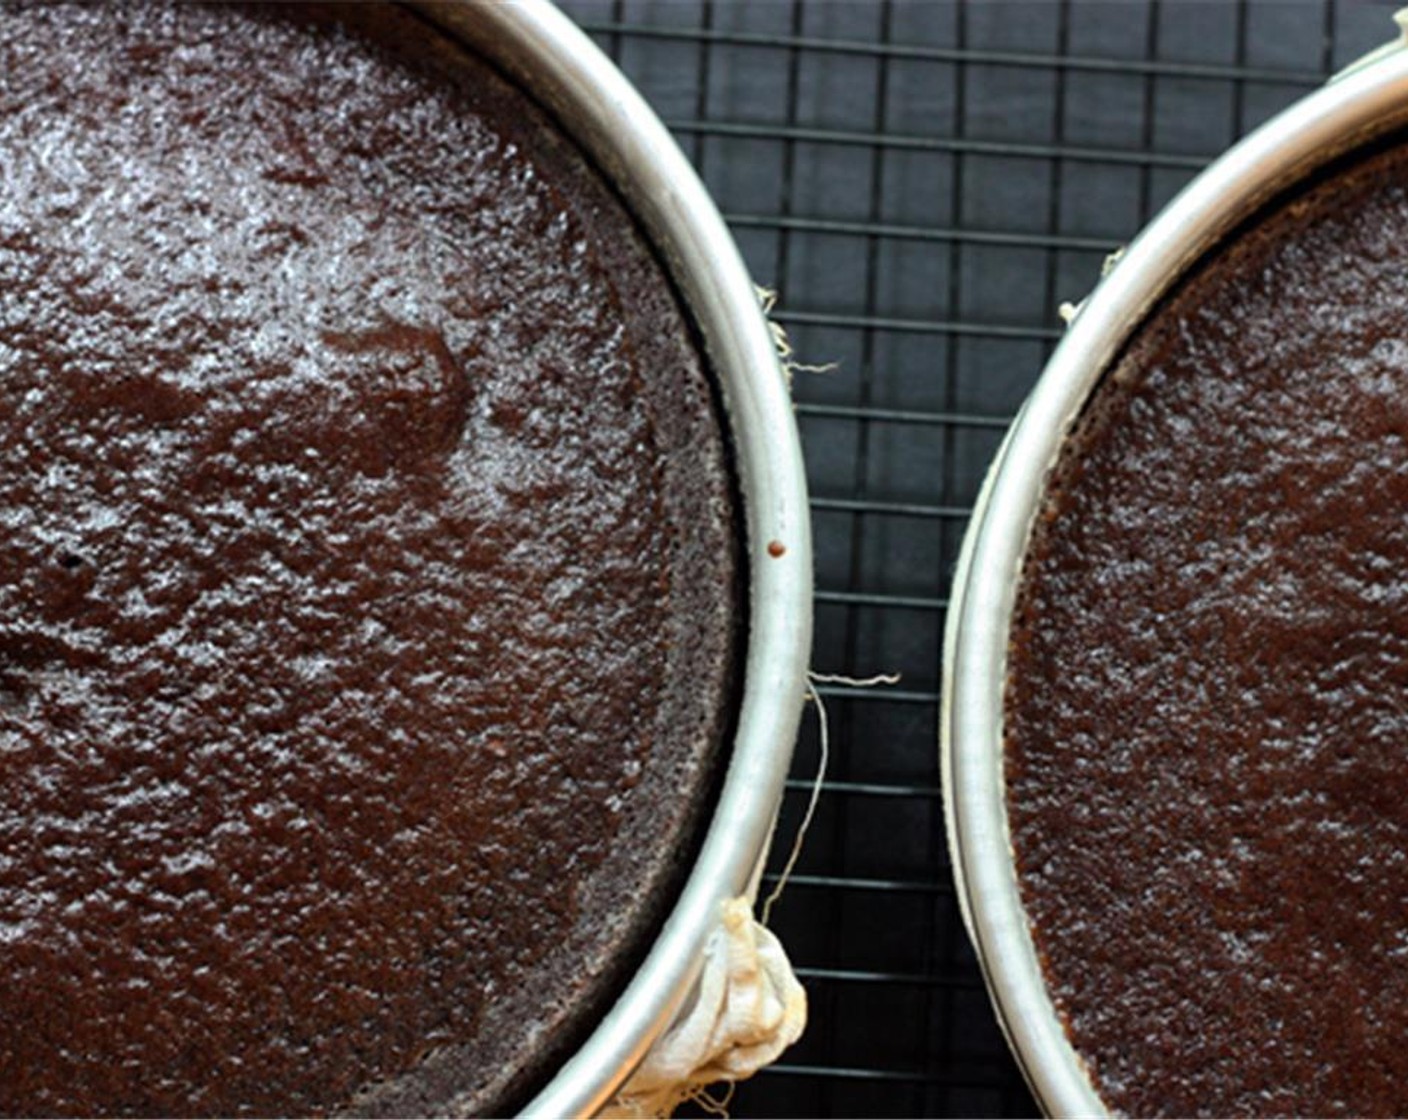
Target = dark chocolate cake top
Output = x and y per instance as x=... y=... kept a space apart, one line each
x=365 y=573
x=1207 y=699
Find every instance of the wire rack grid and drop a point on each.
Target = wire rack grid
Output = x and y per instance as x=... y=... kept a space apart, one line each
x=923 y=182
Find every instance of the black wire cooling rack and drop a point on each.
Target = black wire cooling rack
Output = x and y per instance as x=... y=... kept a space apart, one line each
x=922 y=183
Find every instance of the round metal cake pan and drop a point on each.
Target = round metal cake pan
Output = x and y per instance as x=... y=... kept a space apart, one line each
x=1366 y=102
x=593 y=102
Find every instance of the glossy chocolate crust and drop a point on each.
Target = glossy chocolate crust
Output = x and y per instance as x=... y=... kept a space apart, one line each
x=1207 y=697
x=367 y=575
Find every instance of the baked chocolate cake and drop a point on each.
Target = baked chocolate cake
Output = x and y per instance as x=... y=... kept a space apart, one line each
x=367 y=580
x=1207 y=693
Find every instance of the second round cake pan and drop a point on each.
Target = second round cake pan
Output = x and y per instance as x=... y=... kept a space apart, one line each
x=1365 y=103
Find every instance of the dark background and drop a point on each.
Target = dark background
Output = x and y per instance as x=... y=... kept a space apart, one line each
x=923 y=182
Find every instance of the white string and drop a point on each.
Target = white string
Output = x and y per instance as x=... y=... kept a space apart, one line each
x=858 y=682
x=714 y=1106
x=824 y=750
x=768 y=298
x=795 y=854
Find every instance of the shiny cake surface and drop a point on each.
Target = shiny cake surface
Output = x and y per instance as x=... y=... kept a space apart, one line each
x=364 y=577
x=1207 y=694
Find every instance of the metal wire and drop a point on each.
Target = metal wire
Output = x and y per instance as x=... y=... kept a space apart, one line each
x=922 y=182
x=1038 y=61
